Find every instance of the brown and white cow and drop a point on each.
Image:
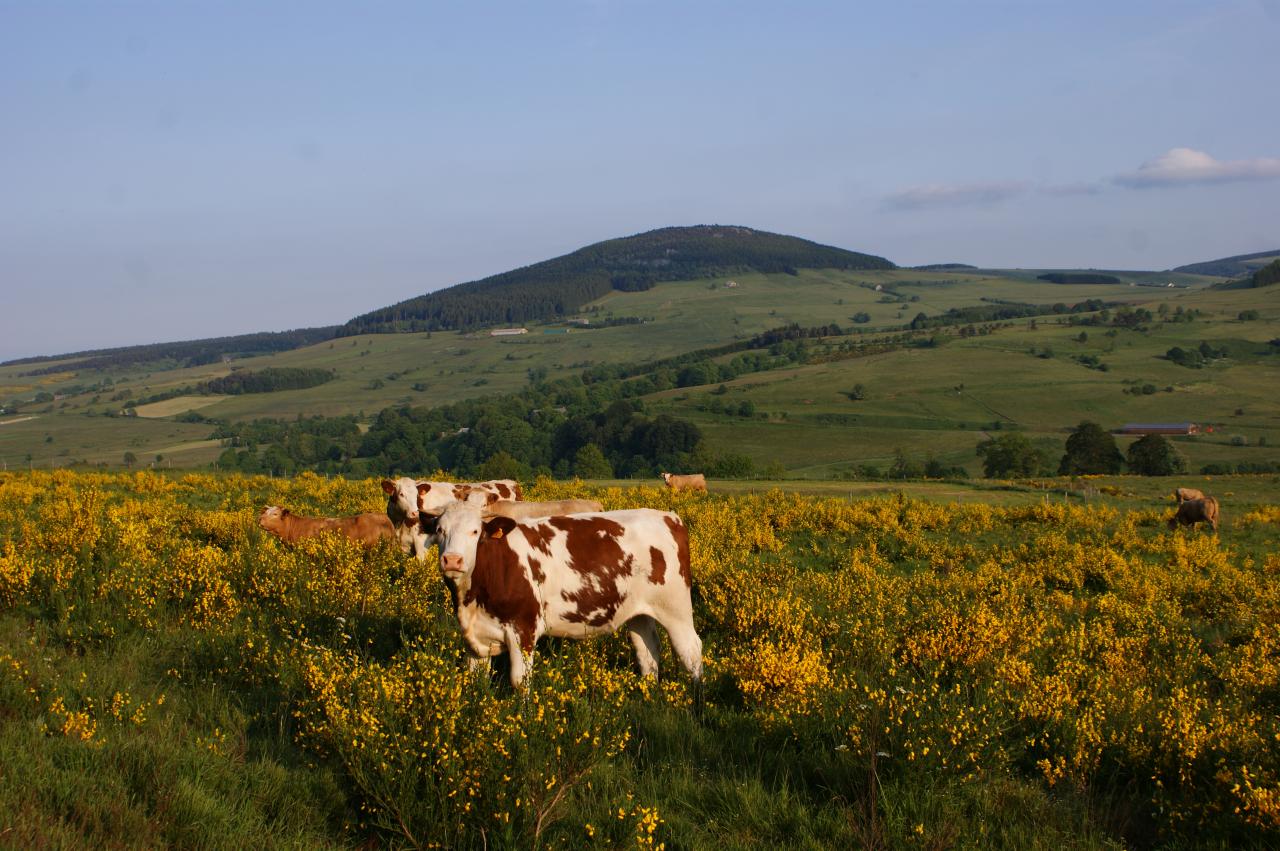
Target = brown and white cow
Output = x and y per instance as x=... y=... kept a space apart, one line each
x=1184 y=494
x=690 y=482
x=407 y=498
x=367 y=528
x=572 y=576
x=1195 y=511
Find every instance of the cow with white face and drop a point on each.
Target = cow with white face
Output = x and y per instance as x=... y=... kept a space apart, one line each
x=412 y=506
x=572 y=576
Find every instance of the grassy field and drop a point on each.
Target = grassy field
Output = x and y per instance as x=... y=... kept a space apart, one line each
x=940 y=401
x=945 y=400
x=1039 y=672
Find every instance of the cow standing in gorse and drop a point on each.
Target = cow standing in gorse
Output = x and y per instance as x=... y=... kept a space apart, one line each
x=408 y=498
x=367 y=528
x=572 y=576
x=1195 y=511
x=690 y=482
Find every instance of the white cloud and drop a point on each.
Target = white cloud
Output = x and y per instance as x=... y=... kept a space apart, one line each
x=955 y=195
x=1185 y=166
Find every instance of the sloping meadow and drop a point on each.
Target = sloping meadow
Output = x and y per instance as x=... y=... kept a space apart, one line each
x=882 y=673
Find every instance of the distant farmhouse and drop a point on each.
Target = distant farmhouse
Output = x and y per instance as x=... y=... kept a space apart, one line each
x=730 y=284
x=507 y=332
x=1160 y=428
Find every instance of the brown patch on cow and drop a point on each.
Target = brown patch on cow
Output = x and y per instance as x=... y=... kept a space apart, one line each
x=658 y=568
x=539 y=537
x=519 y=494
x=497 y=527
x=597 y=558
x=460 y=492
x=503 y=490
x=535 y=567
x=500 y=587
x=681 y=536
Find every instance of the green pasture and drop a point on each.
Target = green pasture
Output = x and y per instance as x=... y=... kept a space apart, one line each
x=938 y=401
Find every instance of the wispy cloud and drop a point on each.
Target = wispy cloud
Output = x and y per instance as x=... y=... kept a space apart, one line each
x=1067 y=189
x=1186 y=166
x=955 y=195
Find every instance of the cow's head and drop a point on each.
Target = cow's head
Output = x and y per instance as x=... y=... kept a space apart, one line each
x=402 y=500
x=461 y=530
x=666 y=477
x=271 y=516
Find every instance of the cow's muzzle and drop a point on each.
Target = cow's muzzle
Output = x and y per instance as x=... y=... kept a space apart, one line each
x=451 y=563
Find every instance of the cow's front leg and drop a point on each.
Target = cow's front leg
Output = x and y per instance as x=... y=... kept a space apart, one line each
x=477 y=663
x=521 y=663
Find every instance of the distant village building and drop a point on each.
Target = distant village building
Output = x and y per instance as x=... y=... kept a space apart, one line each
x=730 y=283
x=507 y=332
x=879 y=288
x=1160 y=428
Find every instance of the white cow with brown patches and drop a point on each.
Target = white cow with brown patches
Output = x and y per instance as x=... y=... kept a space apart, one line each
x=408 y=498
x=572 y=576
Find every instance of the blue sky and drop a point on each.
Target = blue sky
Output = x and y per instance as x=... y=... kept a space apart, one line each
x=173 y=170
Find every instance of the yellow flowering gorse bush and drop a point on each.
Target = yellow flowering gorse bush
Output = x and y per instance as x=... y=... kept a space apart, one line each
x=1077 y=645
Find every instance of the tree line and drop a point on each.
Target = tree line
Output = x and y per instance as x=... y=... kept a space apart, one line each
x=269 y=380
x=1089 y=450
x=188 y=353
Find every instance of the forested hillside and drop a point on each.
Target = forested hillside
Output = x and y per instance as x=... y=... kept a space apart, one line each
x=1230 y=267
x=186 y=353
x=562 y=285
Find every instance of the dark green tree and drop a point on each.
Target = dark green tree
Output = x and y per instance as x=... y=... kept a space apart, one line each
x=1012 y=455
x=589 y=463
x=1155 y=455
x=1091 y=450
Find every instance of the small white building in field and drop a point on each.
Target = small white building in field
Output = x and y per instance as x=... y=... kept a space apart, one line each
x=730 y=284
x=507 y=332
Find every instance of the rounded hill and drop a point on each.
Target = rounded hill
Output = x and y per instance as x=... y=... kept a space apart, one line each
x=560 y=286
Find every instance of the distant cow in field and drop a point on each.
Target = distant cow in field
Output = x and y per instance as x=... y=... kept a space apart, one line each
x=368 y=528
x=407 y=498
x=1184 y=494
x=691 y=482
x=1195 y=511
x=525 y=510
x=573 y=576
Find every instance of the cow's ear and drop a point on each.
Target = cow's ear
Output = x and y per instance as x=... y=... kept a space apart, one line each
x=284 y=512
x=497 y=527
x=423 y=487
x=388 y=487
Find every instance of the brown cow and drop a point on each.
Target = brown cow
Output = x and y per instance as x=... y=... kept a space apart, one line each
x=1195 y=511
x=368 y=528
x=1184 y=494
x=525 y=510
x=690 y=482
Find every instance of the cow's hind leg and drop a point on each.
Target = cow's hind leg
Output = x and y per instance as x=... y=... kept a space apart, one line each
x=644 y=638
